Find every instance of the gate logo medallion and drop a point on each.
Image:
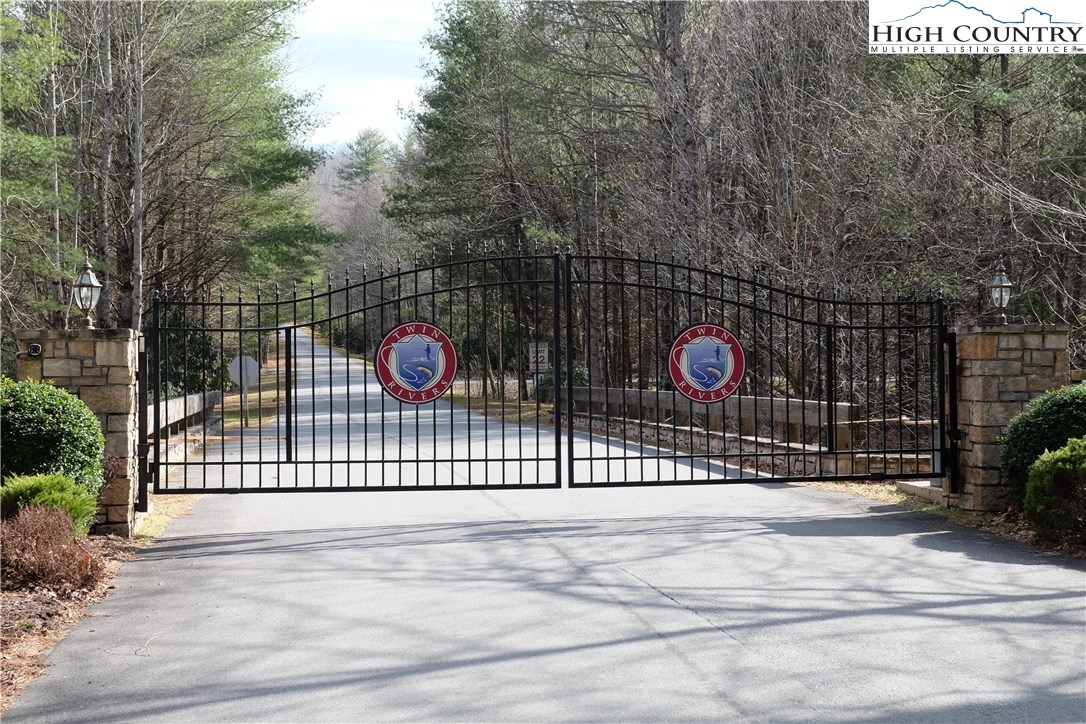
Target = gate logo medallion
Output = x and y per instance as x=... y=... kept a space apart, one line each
x=416 y=363
x=707 y=363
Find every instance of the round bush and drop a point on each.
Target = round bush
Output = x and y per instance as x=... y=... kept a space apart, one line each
x=44 y=429
x=1056 y=492
x=50 y=491
x=1047 y=423
x=545 y=390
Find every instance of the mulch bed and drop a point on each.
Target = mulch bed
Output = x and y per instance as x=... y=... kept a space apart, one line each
x=32 y=621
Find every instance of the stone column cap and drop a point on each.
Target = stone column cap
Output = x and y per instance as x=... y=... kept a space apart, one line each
x=27 y=335
x=1012 y=328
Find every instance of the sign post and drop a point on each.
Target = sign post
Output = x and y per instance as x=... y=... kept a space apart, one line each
x=244 y=371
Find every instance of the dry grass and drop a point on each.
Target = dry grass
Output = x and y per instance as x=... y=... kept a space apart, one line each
x=522 y=412
x=33 y=620
x=265 y=398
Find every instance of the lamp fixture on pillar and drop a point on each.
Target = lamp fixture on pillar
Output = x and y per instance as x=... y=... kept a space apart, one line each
x=1000 y=289
x=85 y=292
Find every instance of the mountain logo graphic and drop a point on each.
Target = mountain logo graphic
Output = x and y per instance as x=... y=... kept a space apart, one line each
x=1026 y=16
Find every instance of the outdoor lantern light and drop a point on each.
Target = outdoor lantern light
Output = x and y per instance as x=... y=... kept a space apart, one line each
x=85 y=292
x=1001 y=292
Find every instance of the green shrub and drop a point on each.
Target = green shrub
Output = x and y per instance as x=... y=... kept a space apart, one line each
x=51 y=491
x=545 y=390
x=1056 y=492
x=44 y=429
x=1046 y=424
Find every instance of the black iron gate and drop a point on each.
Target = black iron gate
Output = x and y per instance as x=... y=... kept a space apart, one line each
x=538 y=371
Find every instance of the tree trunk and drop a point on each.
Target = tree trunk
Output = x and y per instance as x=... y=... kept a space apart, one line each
x=136 y=315
x=105 y=316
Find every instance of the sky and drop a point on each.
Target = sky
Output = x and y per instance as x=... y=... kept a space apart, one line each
x=364 y=58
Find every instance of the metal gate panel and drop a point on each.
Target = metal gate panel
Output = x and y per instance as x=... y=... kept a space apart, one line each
x=833 y=389
x=322 y=420
x=829 y=388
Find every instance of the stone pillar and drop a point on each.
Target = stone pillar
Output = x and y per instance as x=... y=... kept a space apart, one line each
x=1000 y=369
x=99 y=367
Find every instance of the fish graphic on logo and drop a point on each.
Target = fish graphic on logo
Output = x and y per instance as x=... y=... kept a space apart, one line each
x=417 y=360
x=706 y=362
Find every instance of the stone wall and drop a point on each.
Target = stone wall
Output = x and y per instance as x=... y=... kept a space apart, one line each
x=98 y=366
x=1000 y=369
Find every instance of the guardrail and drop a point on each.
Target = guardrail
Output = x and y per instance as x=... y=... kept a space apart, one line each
x=664 y=415
x=180 y=412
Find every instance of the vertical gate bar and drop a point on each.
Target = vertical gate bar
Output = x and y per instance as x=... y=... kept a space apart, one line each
x=831 y=381
x=382 y=331
x=468 y=307
x=819 y=382
x=260 y=385
x=674 y=325
x=918 y=354
x=418 y=422
x=656 y=350
x=347 y=311
x=624 y=353
x=156 y=376
x=934 y=342
x=709 y=316
x=691 y=304
x=278 y=387
x=312 y=381
x=605 y=350
x=288 y=364
x=730 y=324
x=486 y=366
x=590 y=361
x=804 y=306
x=502 y=341
x=787 y=374
x=452 y=408
x=434 y=317
x=221 y=385
x=756 y=310
x=418 y=412
x=884 y=413
x=869 y=362
x=365 y=377
x=896 y=334
x=640 y=356
x=556 y=344
x=851 y=383
x=770 y=373
x=399 y=405
x=570 y=357
x=328 y=312
x=243 y=412
x=518 y=329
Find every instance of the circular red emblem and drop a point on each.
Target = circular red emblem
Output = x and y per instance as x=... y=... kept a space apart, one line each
x=706 y=363
x=416 y=363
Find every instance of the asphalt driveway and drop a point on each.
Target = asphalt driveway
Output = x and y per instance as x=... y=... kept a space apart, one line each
x=738 y=602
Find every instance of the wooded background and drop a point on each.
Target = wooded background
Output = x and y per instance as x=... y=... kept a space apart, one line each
x=759 y=137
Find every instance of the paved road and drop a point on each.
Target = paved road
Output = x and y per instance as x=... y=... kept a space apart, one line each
x=738 y=602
